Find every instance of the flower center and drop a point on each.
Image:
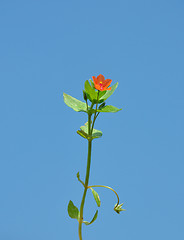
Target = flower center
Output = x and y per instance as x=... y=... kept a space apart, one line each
x=101 y=85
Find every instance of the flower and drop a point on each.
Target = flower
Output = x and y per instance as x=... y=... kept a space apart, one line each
x=101 y=83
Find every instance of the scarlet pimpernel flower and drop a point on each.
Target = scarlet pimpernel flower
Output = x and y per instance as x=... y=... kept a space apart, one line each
x=101 y=83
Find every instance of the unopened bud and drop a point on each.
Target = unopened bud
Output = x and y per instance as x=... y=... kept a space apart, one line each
x=85 y=95
x=102 y=105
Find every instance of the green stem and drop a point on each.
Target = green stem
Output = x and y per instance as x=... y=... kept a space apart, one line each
x=86 y=179
x=90 y=131
x=95 y=115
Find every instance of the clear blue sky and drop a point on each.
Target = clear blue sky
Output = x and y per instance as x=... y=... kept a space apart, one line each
x=51 y=47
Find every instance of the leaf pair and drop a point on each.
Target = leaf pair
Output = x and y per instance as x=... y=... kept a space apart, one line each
x=83 y=132
x=80 y=106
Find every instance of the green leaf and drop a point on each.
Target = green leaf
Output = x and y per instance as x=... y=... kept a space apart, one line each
x=109 y=108
x=84 y=132
x=85 y=128
x=108 y=93
x=101 y=94
x=74 y=103
x=73 y=211
x=90 y=91
x=96 y=197
x=94 y=218
x=96 y=133
x=92 y=83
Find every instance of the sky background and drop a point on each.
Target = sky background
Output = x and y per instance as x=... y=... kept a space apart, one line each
x=51 y=47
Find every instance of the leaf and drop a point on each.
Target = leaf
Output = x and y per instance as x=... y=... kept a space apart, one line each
x=90 y=91
x=96 y=133
x=74 y=103
x=84 y=132
x=109 y=108
x=85 y=128
x=73 y=211
x=94 y=218
x=96 y=197
x=101 y=94
x=92 y=83
x=108 y=93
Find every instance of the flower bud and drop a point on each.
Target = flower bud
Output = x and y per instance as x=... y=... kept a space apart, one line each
x=85 y=95
x=102 y=105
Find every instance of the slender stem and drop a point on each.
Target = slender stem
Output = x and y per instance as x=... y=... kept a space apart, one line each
x=90 y=131
x=95 y=115
x=108 y=188
x=86 y=179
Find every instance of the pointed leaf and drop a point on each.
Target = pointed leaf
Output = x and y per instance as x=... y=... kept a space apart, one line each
x=74 y=103
x=90 y=91
x=92 y=83
x=94 y=218
x=109 y=92
x=73 y=211
x=96 y=197
x=109 y=108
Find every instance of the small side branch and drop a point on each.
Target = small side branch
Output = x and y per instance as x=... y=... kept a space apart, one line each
x=78 y=177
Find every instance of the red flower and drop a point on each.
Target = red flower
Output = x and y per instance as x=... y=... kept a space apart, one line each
x=101 y=83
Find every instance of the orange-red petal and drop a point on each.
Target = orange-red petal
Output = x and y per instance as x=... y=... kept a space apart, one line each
x=101 y=83
x=107 y=82
x=94 y=80
x=98 y=87
x=108 y=88
x=100 y=78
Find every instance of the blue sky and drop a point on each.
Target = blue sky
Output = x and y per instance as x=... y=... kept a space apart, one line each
x=51 y=47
